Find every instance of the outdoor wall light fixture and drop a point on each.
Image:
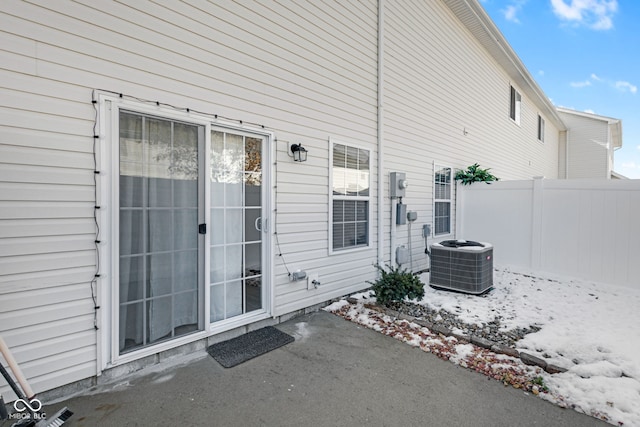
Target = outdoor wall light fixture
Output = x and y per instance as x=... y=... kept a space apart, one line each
x=299 y=153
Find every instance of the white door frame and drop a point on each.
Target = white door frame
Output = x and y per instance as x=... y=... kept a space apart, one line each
x=107 y=137
x=267 y=246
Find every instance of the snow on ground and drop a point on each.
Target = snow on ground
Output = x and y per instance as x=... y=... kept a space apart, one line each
x=590 y=329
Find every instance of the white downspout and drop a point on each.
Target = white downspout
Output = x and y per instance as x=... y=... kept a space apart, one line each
x=381 y=200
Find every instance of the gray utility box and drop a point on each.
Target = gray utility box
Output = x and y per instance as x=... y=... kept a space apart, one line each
x=462 y=266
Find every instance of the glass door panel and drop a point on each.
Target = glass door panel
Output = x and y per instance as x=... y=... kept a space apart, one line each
x=236 y=225
x=159 y=259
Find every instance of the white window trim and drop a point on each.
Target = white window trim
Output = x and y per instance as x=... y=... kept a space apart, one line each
x=436 y=167
x=109 y=106
x=332 y=197
x=518 y=105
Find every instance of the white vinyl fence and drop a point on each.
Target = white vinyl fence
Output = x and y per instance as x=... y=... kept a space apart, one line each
x=588 y=229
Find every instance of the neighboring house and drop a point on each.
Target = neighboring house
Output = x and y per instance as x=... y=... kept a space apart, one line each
x=591 y=143
x=149 y=200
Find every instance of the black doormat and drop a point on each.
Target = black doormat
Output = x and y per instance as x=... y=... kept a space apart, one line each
x=238 y=350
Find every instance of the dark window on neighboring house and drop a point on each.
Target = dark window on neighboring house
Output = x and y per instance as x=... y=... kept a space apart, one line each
x=540 y=128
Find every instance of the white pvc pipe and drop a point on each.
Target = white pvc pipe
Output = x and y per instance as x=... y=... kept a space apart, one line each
x=17 y=372
x=410 y=246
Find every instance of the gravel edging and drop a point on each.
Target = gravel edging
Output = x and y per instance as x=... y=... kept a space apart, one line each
x=478 y=340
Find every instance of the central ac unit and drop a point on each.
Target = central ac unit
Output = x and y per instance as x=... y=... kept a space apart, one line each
x=461 y=265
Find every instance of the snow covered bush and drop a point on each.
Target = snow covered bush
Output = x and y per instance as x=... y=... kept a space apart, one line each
x=396 y=285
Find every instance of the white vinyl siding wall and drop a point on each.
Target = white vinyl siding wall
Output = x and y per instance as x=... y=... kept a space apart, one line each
x=447 y=100
x=305 y=71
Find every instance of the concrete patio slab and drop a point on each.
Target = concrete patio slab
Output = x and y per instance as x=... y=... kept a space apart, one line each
x=336 y=373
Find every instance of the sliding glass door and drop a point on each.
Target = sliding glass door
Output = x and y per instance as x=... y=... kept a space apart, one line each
x=160 y=253
x=169 y=211
x=236 y=224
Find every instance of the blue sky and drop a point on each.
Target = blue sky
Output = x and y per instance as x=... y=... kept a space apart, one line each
x=585 y=55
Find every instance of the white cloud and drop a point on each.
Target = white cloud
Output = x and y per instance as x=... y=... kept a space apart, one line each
x=595 y=14
x=510 y=14
x=621 y=85
x=626 y=86
x=564 y=11
x=541 y=72
x=590 y=111
x=580 y=84
x=513 y=9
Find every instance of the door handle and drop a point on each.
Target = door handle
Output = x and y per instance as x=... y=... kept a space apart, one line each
x=261 y=224
x=202 y=228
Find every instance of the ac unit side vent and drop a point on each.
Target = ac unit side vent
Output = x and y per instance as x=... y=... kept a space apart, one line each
x=462 y=268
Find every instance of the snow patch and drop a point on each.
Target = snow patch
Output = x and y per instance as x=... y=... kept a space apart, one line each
x=588 y=328
x=462 y=351
x=336 y=306
x=302 y=331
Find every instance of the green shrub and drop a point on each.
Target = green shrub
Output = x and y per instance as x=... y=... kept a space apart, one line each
x=539 y=381
x=475 y=173
x=396 y=285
